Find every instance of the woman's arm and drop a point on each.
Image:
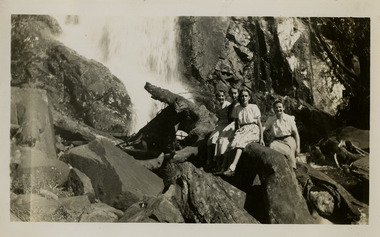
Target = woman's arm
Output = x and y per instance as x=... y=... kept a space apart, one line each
x=297 y=138
x=236 y=124
x=261 y=141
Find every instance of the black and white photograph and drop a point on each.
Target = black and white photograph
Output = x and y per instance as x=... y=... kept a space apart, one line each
x=140 y=115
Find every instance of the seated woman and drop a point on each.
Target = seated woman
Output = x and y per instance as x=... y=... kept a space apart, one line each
x=226 y=136
x=249 y=129
x=222 y=114
x=285 y=133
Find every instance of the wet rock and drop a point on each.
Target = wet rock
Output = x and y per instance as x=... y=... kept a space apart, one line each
x=116 y=177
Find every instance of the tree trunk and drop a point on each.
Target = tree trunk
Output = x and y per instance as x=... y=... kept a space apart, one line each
x=203 y=120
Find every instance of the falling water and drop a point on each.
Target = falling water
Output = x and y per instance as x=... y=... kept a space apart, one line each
x=136 y=50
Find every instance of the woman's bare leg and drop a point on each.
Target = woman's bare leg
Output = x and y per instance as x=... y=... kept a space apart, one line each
x=238 y=153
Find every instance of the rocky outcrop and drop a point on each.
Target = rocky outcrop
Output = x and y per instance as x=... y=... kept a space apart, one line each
x=81 y=88
x=116 y=177
x=203 y=43
x=263 y=54
x=204 y=198
x=284 y=57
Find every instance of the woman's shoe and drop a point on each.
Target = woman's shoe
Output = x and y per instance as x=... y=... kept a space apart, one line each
x=229 y=172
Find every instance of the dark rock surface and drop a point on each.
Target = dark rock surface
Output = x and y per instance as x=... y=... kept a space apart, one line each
x=204 y=198
x=83 y=89
x=118 y=180
x=80 y=184
x=345 y=208
x=284 y=201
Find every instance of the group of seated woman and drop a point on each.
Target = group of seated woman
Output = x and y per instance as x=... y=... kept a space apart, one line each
x=240 y=124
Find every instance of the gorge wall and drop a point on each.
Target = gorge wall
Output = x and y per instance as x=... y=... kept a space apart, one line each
x=281 y=56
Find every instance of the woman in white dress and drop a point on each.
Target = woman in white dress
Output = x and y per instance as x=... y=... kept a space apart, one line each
x=225 y=138
x=249 y=129
x=222 y=114
x=284 y=131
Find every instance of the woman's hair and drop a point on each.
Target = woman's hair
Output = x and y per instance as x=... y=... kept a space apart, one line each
x=241 y=92
x=220 y=91
x=276 y=102
x=232 y=88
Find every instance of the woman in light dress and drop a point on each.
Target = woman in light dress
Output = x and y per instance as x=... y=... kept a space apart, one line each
x=222 y=114
x=284 y=131
x=248 y=128
x=226 y=136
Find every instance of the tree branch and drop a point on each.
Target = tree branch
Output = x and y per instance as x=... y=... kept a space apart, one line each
x=346 y=82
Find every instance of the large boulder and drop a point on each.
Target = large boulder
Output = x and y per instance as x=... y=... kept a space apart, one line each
x=283 y=196
x=116 y=177
x=81 y=88
x=204 y=198
x=36 y=172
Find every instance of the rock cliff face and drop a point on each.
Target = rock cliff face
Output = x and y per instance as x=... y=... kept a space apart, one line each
x=83 y=89
x=263 y=54
x=287 y=57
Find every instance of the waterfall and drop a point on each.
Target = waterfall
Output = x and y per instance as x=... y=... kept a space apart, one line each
x=135 y=49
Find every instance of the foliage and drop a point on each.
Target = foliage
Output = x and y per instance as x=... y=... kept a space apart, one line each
x=344 y=43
